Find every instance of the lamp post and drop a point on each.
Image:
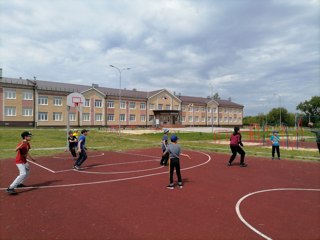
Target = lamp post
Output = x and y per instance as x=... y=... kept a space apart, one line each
x=120 y=71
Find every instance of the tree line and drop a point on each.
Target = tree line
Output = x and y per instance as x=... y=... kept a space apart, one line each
x=308 y=115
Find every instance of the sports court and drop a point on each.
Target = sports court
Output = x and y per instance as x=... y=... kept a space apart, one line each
x=123 y=195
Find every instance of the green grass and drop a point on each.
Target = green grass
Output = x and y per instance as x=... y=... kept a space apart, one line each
x=54 y=141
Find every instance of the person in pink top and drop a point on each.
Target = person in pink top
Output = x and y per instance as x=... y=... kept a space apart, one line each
x=236 y=147
x=22 y=162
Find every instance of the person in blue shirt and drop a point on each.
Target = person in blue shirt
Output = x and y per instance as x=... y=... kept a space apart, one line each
x=81 y=149
x=164 y=144
x=275 y=140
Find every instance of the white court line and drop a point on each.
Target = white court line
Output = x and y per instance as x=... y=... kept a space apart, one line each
x=262 y=191
x=133 y=171
x=116 y=180
x=41 y=166
x=108 y=164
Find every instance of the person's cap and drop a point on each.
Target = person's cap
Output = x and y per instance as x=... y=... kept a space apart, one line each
x=165 y=130
x=174 y=138
x=275 y=132
x=26 y=134
x=84 y=130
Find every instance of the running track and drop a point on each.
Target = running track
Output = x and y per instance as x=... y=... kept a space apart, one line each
x=123 y=196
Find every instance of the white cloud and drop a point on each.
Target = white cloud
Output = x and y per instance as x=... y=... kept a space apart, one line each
x=246 y=50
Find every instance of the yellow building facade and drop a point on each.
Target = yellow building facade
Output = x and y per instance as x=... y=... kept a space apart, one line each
x=44 y=104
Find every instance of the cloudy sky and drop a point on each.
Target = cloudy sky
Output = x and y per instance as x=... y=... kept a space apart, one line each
x=261 y=53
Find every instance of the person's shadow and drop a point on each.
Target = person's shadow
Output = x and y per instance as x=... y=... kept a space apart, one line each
x=37 y=186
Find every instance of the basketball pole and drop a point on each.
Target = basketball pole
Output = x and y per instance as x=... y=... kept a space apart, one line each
x=68 y=125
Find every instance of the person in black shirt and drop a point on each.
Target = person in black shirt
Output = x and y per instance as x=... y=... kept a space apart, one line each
x=73 y=141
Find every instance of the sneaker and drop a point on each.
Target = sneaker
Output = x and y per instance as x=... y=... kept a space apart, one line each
x=229 y=164
x=279 y=159
x=11 y=191
x=21 y=185
x=272 y=158
x=180 y=186
x=76 y=167
x=243 y=165
x=170 y=187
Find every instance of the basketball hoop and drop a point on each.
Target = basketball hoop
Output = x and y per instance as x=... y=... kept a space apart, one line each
x=75 y=99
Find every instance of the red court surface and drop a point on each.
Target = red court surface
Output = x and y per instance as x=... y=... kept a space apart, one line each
x=123 y=195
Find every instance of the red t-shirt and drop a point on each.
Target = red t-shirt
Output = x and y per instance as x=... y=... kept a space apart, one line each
x=22 y=152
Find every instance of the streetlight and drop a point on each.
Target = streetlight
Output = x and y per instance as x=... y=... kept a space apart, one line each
x=120 y=71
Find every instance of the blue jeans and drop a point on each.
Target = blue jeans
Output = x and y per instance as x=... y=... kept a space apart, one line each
x=82 y=157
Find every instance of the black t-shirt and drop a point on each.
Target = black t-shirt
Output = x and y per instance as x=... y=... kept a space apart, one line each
x=72 y=144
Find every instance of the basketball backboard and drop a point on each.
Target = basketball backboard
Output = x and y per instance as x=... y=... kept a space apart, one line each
x=75 y=99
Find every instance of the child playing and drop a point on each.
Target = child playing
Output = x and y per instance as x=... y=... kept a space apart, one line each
x=21 y=162
x=81 y=150
x=72 y=139
x=164 y=144
x=174 y=151
x=235 y=143
x=275 y=140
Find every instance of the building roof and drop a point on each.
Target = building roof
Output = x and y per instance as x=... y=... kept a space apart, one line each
x=69 y=88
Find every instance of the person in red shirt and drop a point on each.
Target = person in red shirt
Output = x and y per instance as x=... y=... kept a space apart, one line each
x=22 y=162
x=236 y=147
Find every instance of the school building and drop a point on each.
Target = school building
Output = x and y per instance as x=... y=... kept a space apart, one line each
x=38 y=103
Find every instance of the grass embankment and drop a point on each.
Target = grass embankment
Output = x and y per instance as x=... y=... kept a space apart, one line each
x=46 y=142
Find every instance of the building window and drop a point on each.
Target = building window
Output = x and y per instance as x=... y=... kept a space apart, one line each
x=72 y=117
x=57 y=116
x=142 y=106
x=160 y=106
x=203 y=119
x=123 y=105
x=43 y=100
x=132 y=105
x=176 y=107
x=10 y=94
x=168 y=107
x=27 y=96
x=151 y=106
x=132 y=118
x=43 y=116
x=142 y=118
x=27 y=112
x=10 y=111
x=111 y=117
x=98 y=117
x=57 y=101
x=190 y=109
x=87 y=103
x=209 y=110
x=189 y=118
x=122 y=117
x=86 y=117
x=196 y=109
x=209 y=119
x=151 y=118
x=110 y=104
x=183 y=108
x=183 y=119
x=98 y=103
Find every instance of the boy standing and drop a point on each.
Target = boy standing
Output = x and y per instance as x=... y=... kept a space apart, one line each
x=275 y=140
x=22 y=162
x=81 y=149
x=72 y=139
x=174 y=151
x=164 y=144
x=235 y=143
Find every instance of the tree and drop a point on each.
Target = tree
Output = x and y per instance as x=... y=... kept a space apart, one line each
x=274 y=116
x=216 y=96
x=311 y=108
